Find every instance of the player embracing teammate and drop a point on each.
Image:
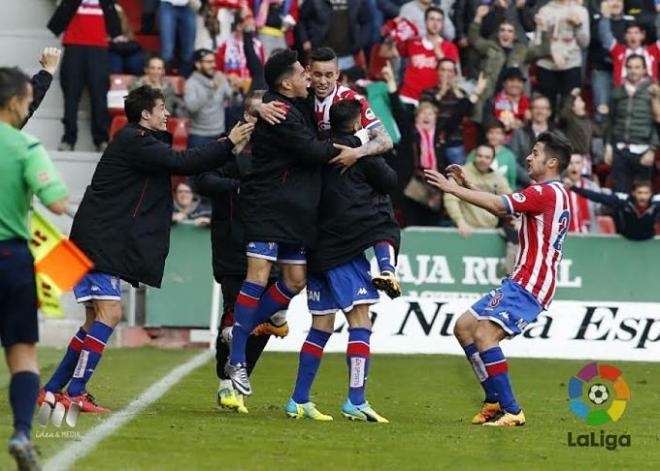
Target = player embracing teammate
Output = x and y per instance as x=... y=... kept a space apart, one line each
x=507 y=310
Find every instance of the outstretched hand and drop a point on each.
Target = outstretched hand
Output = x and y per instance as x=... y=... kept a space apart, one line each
x=439 y=181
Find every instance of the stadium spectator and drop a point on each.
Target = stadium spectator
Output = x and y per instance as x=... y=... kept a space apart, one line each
x=177 y=20
x=523 y=138
x=189 y=207
x=599 y=53
x=633 y=43
x=466 y=216
x=342 y=25
x=275 y=22
x=510 y=105
x=453 y=104
x=635 y=214
x=126 y=54
x=579 y=128
x=568 y=24
x=418 y=149
x=206 y=92
x=505 y=162
x=86 y=25
x=644 y=14
x=583 y=211
x=502 y=53
x=415 y=11
x=26 y=171
x=423 y=55
x=148 y=20
x=632 y=138
x=230 y=58
x=154 y=76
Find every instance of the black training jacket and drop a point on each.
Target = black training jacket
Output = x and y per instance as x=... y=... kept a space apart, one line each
x=355 y=211
x=280 y=197
x=123 y=222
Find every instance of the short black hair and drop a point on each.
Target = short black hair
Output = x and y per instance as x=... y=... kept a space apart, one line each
x=446 y=59
x=495 y=124
x=634 y=24
x=635 y=56
x=557 y=147
x=153 y=57
x=140 y=99
x=278 y=67
x=432 y=9
x=488 y=146
x=13 y=83
x=344 y=114
x=641 y=183
x=200 y=54
x=323 y=54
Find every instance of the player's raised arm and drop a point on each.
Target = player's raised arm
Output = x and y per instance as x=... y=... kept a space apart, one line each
x=488 y=201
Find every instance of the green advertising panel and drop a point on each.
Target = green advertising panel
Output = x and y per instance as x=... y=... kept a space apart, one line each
x=594 y=268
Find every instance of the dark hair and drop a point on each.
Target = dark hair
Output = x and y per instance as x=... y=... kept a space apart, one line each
x=250 y=98
x=343 y=115
x=634 y=24
x=200 y=54
x=432 y=9
x=557 y=147
x=446 y=59
x=485 y=144
x=636 y=56
x=140 y=99
x=323 y=54
x=151 y=58
x=538 y=96
x=13 y=83
x=641 y=183
x=495 y=124
x=278 y=67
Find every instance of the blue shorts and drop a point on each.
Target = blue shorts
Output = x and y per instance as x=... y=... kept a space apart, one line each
x=18 y=294
x=342 y=287
x=275 y=252
x=97 y=285
x=510 y=306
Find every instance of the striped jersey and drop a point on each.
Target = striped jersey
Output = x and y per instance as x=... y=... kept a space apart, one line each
x=546 y=215
x=322 y=107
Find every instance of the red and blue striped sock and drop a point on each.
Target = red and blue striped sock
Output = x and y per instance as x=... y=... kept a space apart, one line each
x=245 y=313
x=90 y=356
x=386 y=256
x=480 y=370
x=65 y=369
x=357 y=358
x=311 y=354
x=275 y=299
x=498 y=370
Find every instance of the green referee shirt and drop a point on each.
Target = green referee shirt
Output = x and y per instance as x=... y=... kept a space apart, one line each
x=25 y=170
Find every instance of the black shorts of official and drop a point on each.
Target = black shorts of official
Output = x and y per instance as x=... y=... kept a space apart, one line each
x=18 y=294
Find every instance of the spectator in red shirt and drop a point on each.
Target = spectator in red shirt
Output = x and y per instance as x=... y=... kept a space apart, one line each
x=230 y=57
x=633 y=44
x=583 y=211
x=86 y=25
x=423 y=56
x=511 y=106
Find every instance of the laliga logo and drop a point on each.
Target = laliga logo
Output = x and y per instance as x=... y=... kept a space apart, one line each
x=599 y=382
x=598 y=394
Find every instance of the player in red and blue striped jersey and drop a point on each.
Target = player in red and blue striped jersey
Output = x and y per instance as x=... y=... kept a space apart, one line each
x=507 y=310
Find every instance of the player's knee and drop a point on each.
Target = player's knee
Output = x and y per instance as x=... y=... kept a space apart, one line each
x=22 y=357
x=108 y=312
x=295 y=283
x=359 y=317
x=464 y=326
x=324 y=323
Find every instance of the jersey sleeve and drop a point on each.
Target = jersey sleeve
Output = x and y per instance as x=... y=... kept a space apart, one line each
x=367 y=115
x=41 y=176
x=531 y=201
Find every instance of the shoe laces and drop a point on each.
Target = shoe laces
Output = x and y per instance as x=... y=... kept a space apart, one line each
x=90 y=398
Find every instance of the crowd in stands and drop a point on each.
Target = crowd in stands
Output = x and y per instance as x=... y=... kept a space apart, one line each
x=467 y=82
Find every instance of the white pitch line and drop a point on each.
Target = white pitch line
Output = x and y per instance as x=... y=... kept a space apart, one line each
x=76 y=450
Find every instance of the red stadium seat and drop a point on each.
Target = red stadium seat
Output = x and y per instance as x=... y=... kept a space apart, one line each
x=118 y=122
x=118 y=90
x=606 y=225
x=470 y=135
x=178 y=83
x=179 y=128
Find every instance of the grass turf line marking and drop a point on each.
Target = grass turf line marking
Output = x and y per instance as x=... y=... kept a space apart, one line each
x=66 y=457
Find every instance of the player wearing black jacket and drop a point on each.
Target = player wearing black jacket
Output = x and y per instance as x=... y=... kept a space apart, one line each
x=355 y=212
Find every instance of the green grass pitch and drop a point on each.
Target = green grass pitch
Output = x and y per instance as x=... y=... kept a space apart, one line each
x=429 y=400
